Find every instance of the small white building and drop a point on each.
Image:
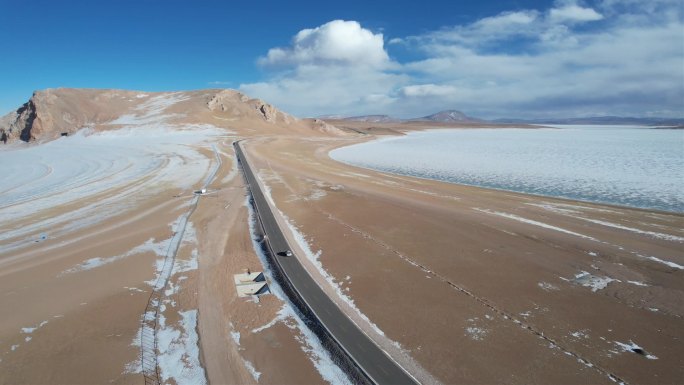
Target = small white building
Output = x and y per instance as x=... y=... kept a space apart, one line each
x=250 y=283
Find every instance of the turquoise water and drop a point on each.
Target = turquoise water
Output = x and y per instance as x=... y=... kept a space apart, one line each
x=631 y=166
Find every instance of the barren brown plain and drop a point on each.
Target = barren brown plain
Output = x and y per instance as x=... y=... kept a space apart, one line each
x=460 y=285
x=473 y=296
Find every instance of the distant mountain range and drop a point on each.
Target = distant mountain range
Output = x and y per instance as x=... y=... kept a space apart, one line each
x=606 y=120
x=373 y=119
x=442 y=116
x=454 y=116
x=448 y=116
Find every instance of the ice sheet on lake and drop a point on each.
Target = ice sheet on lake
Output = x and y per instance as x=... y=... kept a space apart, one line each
x=621 y=165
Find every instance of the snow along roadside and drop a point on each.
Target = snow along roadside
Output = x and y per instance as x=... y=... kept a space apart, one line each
x=399 y=355
x=317 y=354
x=314 y=259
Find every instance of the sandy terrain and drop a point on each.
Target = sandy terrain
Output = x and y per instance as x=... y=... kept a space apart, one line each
x=87 y=223
x=459 y=284
x=483 y=286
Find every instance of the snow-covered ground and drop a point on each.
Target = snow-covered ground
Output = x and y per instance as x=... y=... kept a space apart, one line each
x=594 y=282
x=532 y=222
x=554 y=208
x=177 y=344
x=151 y=111
x=653 y=234
x=159 y=248
x=634 y=348
x=312 y=256
x=94 y=176
x=314 y=259
x=179 y=353
x=309 y=343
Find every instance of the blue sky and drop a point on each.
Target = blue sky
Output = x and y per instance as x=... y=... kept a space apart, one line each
x=404 y=58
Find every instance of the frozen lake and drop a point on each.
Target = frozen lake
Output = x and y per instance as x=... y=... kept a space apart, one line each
x=622 y=165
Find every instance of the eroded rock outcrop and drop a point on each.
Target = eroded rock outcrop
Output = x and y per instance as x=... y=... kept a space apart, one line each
x=229 y=101
x=325 y=127
x=269 y=112
x=53 y=112
x=223 y=100
x=17 y=125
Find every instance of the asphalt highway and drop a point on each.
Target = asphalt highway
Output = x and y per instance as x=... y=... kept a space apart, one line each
x=377 y=365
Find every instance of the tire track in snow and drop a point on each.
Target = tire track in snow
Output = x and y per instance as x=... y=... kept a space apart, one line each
x=151 y=317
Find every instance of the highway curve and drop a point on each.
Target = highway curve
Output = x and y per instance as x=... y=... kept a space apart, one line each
x=375 y=363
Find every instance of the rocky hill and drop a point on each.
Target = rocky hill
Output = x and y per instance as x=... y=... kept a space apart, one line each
x=52 y=113
x=373 y=119
x=448 y=116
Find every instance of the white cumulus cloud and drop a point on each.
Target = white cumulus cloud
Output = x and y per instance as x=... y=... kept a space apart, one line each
x=336 y=42
x=574 y=13
x=428 y=90
x=504 y=26
x=505 y=20
x=625 y=57
x=338 y=66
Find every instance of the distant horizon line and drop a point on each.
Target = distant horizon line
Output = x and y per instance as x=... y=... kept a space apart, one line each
x=678 y=119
